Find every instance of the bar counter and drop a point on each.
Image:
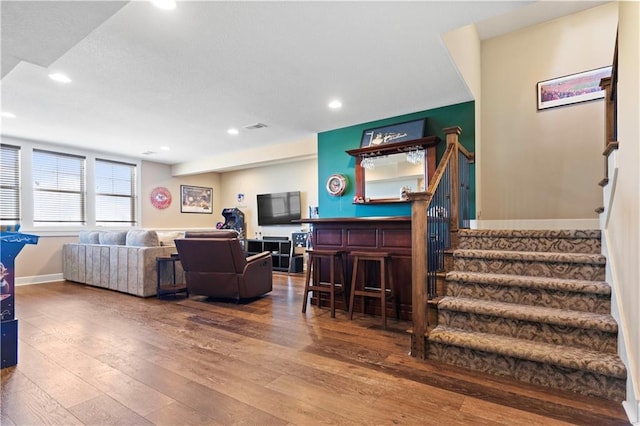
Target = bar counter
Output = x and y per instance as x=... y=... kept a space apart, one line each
x=381 y=234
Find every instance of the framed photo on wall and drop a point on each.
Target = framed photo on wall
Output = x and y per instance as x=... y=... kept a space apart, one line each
x=571 y=89
x=196 y=199
x=400 y=132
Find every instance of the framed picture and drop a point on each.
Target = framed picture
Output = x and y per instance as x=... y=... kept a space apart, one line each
x=394 y=133
x=196 y=199
x=571 y=89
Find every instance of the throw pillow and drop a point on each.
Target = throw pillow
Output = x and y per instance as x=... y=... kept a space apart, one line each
x=113 y=238
x=167 y=237
x=142 y=238
x=89 y=237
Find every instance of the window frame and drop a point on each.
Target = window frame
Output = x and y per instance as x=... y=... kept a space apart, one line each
x=67 y=181
x=10 y=190
x=26 y=193
x=132 y=196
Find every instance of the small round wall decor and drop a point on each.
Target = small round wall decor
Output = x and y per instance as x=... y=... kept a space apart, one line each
x=336 y=185
x=160 y=197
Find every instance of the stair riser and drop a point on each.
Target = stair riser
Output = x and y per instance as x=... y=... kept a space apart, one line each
x=578 y=271
x=586 y=302
x=556 y=377
x=531 y=331
x=568 y=245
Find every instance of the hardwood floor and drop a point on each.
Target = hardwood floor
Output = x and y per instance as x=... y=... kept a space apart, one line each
x=98 y=357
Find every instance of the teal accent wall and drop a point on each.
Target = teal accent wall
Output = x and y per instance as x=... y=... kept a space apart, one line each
x=332 y=158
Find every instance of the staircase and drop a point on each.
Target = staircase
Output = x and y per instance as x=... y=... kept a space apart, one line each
x=531 y=305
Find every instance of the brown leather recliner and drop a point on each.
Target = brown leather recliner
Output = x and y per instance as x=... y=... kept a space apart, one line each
x=215 y=265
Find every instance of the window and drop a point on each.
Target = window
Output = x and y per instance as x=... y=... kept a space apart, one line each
x=9 y=184
x=115 y=193
x=58 y=189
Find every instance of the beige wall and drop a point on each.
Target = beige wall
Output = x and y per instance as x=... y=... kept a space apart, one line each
x=623 y=231
x=295 y=176
x=36 y=263
x=154 y=175
x=466 y=51
x=543 y=164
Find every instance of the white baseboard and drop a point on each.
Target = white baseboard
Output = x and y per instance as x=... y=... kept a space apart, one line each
x=38 y=279
x=536 y=224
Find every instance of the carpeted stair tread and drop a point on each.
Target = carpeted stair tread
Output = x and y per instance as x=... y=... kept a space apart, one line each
x=531 y=256
x=576 y=319
x=560 y=284
x=564 y=356
x=532 y=233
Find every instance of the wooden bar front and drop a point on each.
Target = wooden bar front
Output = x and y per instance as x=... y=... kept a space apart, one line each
x=382 y=234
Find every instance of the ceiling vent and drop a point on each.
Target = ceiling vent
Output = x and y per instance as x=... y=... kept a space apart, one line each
x=255 y=126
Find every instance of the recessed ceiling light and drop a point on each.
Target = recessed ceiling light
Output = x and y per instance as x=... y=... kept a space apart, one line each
x=165 y=148
x=60 y=78
x=164 y=4
x=233 y=131
x=335 y=104
x=6 y=114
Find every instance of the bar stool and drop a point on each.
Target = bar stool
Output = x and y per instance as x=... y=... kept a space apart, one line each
x=313 y=268
x=368 y=289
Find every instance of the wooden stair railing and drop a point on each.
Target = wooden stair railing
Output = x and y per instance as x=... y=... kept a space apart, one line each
x=445 y=187
x=610 y=87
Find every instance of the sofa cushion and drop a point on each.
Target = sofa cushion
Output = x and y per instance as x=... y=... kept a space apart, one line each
x=89 y=237
x=113 y=238
x=142 y=238
x=167 y=238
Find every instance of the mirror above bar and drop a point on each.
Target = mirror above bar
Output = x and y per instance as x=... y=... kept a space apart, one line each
x=383 y=172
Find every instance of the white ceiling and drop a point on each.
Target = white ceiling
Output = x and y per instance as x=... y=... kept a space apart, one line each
x=145 y=78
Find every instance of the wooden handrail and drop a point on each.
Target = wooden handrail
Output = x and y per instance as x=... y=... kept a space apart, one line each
x=442 y=166
x=420 y=202
x=610 y=86
x=470 y=155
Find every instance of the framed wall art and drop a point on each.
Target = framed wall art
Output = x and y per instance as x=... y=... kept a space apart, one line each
x=394 y=133
x=196 y=199
x=160 y=198
x=571 y=89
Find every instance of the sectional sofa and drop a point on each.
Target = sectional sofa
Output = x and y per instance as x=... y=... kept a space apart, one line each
x=124 y=261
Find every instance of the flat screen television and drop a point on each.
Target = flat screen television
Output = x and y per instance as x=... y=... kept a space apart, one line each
x=279 y=209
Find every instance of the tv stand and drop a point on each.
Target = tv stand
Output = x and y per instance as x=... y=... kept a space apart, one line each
x=280 y=248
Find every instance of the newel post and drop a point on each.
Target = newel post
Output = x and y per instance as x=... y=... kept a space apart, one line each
x=419 y=254
x=452 y=134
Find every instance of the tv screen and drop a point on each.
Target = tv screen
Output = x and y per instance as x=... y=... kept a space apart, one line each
x=279 y=209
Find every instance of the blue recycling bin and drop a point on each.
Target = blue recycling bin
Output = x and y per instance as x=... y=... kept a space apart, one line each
x=11 y=243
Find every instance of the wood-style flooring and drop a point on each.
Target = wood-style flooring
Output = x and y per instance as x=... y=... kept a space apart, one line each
x=98 y=357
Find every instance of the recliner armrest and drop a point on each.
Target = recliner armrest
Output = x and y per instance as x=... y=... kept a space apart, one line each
x=258 y=256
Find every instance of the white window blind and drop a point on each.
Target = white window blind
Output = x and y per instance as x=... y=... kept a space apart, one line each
x=9 y=184
x=58 y=189
x=115 y=193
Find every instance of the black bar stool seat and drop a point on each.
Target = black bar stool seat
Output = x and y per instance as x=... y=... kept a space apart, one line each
x=313 y=281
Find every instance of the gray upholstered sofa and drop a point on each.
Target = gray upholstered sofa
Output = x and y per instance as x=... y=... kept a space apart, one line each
x=122 y=261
